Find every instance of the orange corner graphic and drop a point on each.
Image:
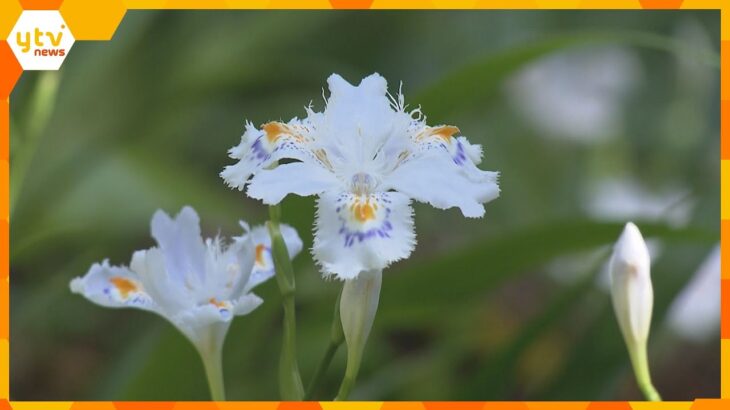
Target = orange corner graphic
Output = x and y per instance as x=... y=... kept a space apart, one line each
x=4 y=129
x=93 y=19
x=725 y=309
x=40 y=4
x=351 y=4
x=661 y=4
x=4 y=308
x=9 y=12
x=724 y=62
x=147 y=405
x=10 y=70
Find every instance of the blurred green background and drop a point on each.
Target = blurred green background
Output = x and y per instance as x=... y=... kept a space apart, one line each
x=592 y=117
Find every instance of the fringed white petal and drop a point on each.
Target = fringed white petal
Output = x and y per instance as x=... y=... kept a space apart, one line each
x=181 y=244
x=168 y=293
x=261 y=148
x=299 y=178
x=435 y=179
x=198 y=322
x=263 y=267
x=363 y=113
x=355 y=233
x=113 y=286
x=443 y=140
x=246 y=304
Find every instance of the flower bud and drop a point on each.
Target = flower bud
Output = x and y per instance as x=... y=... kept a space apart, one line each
x=631 y=288
x=358 y=305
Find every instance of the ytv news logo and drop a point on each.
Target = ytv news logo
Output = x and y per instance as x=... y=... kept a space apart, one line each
x=40 y=40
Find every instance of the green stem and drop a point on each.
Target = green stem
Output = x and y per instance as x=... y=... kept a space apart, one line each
x=290 y=382
x=348 y=382
x=336 y=339
x=314 y=385
x=214 y=372
x=640 y=363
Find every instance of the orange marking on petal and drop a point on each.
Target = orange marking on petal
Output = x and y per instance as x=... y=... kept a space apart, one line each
x=260 y=249
x=322 y=156
x=274 y=130
x=363 y=212
x=123 y=285
x=216 y=303
x=445 y=132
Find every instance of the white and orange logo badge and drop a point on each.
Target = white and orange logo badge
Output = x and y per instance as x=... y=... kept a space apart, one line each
x=40 y=40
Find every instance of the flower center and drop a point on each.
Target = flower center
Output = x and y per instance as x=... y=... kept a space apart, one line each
x=362 y=184
x=364 y=211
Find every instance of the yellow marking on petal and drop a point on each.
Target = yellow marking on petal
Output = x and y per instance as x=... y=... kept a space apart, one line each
x=403 y=155
x=322 y=156
x=123 y=285
x=260 y=249
x=274 y=131
x=219 y=305
x=363 y=212
x=445 y=132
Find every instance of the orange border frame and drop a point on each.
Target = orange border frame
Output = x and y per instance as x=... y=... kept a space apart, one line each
x=98 y=19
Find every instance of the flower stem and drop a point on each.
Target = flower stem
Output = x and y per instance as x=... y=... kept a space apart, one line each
x=336 y=339
x=640 y=363
x=214 y=372
x=290 y=382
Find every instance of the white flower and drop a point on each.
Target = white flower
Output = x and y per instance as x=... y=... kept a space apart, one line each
x=199 y=286
x=366 y=158
x=578 y=95
x=631 y=287
x=622 y=199
x=695 y=312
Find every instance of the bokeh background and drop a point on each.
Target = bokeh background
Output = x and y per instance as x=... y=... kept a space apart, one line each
x=592 y=117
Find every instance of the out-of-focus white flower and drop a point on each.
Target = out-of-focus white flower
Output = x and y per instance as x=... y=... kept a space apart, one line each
x=365 y=157
x=624 y=199
x=576 y=95
x=199 y=286
x=631 y=289
x=695 y=313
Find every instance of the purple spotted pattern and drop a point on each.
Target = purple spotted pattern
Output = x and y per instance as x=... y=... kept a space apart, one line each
x=460 y=156
x=353 y=236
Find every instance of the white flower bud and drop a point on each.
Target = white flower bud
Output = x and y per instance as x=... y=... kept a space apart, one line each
x=633 y=299
x=631 y=288
x=358 y=305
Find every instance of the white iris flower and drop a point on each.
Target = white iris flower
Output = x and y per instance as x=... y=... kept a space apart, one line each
x=366 y=157
x=199 y=286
